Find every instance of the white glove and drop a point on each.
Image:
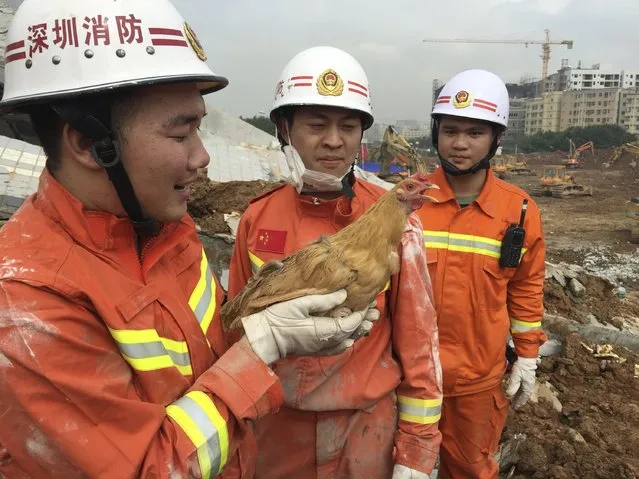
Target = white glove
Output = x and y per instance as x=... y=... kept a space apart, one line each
x=403 y=472
x=364 y=329
x=522 y=381
x=289 y=328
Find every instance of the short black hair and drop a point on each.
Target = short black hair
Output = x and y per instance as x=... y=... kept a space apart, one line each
x=48 y=125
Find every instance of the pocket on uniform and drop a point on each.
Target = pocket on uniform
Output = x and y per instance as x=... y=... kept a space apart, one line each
x=498 y=420
x=495 y=284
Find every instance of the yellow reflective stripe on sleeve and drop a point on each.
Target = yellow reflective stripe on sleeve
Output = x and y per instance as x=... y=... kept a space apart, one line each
x=419 y=411
x=464 y=243
x=517 y=326
x=256 y=263
x=145 y=350
x=200 y=420
x=202 y=301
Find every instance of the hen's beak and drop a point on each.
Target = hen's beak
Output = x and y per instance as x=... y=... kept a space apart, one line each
x=426 y=187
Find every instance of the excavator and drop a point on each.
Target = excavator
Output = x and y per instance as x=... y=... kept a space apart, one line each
x=555 y=181
x=574 y=160
x=631 y=148
x=395 y=149
x=505 y=166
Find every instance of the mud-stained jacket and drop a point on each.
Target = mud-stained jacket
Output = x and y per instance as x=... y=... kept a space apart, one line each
x=400 y=355
x=113 y=366
x=477 y=301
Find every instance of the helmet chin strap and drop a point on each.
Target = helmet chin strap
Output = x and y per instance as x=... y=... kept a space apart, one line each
x=450 y=169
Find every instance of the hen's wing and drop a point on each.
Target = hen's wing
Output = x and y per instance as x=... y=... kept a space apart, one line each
x=316 y=269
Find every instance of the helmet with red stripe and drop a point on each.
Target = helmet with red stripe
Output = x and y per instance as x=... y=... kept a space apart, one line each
x=476 y=95
x=324 y=76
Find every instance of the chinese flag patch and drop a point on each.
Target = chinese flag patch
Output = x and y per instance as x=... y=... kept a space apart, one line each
x=271 y=241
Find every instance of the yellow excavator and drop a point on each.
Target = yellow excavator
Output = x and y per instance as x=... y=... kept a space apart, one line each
x=574 y=160
x=555 y=181
x=506 y=166
x=631 y=148
x=396 y=149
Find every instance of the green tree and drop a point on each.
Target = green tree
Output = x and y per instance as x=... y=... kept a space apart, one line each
x=261 y=122
x=603 y=136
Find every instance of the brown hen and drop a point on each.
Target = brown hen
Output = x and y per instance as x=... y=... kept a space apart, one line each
x=360 y=258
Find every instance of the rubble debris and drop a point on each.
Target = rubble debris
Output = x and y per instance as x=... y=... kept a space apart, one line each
x=210 y=201
x=605 y=352
x=508 y=454
x=233 y=222
x=552 y=347
x=586 y=298
x=596 y=434
x=575 y=436
x=548 y=393
x=593 y=331
x=576 y=288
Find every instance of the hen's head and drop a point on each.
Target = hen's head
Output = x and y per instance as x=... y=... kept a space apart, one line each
x=411 y=192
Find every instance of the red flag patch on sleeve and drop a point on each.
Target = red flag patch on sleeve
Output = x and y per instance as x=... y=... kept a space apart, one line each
x=271 y=241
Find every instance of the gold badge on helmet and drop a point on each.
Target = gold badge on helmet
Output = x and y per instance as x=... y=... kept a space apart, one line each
x=329 y=83
x=461 y=99
x=194 y=41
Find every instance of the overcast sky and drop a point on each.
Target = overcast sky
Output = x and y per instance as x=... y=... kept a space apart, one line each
x=250 y=41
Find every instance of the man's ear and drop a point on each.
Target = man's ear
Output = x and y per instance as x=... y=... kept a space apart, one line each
x=77 y=147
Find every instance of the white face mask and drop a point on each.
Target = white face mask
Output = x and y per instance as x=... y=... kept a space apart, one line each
x=309 y=180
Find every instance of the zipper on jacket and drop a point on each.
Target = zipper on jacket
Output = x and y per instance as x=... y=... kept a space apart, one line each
x=152 y=240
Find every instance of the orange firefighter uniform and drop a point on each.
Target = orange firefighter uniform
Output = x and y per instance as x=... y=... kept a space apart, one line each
x=113 y=366
x=477 y=303
x=344 y=415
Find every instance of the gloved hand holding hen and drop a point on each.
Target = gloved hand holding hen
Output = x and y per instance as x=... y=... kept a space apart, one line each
x=359 y=258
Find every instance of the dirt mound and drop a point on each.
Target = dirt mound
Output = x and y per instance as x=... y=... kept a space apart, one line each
x=210 y=201
x=597 y=433
x=600 y=300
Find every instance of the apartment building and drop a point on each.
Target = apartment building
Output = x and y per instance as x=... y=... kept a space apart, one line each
x=581 y=108
x=628 y=114
x=543 y=114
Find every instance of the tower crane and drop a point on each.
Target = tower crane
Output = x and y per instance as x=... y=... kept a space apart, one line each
x=545 y=48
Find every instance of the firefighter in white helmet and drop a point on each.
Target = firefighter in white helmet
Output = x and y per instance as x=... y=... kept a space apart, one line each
x=113 y=362
x=372 y=412
x=486 y=257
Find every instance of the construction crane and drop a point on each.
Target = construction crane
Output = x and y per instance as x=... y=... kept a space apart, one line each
x=545 y=48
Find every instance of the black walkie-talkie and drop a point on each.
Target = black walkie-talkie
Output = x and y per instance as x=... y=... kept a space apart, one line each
x=513 y=241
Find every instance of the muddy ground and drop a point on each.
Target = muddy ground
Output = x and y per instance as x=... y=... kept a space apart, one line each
x=596 y=434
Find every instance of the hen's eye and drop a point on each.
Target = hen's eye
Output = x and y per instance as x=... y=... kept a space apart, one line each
x=410 y=187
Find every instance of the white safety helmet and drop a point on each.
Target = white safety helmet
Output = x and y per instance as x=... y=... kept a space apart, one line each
x=476 y=94
x=69 y=55
x=324 y=76
x=64 y=48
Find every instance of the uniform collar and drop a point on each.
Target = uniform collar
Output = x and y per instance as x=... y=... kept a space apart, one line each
x=486 y=199
x=101 y=230
x=342 y=211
